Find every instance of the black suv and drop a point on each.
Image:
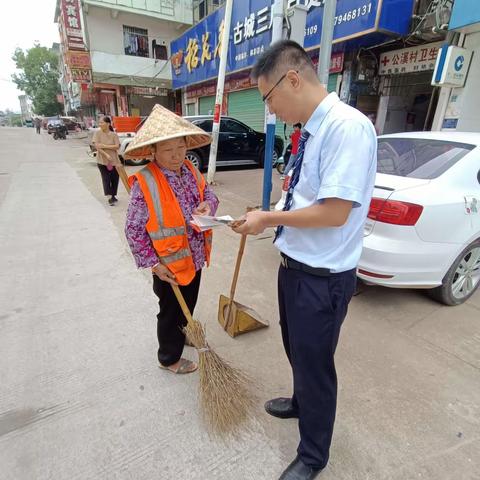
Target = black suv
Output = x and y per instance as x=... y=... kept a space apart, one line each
x=237 y=144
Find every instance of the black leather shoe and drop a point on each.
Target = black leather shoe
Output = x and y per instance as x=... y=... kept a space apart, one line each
x=297 y=470
x=281 y=408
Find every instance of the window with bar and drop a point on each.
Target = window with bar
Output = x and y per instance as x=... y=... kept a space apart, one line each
x=135 y=41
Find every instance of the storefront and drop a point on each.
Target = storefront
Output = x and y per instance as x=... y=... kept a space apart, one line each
x=454 y=112
x=141 y=100
x=196 y=53
x=407 y=98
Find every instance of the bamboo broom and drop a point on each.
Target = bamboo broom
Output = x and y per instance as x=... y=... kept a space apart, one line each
x=226 y=398
x=226 y=393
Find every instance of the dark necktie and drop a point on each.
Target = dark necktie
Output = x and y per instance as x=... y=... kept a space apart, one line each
x=297 y=166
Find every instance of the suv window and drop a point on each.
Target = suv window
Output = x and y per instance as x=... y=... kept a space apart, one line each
x=205 y=125
x=417 y=157
x=233 y=127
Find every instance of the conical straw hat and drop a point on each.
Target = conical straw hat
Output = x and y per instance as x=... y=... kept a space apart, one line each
x=162 y=124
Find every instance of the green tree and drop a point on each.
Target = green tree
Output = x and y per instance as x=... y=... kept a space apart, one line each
x=39 y=78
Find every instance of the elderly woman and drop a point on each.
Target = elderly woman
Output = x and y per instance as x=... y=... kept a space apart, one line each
x=164 y=196
x=107 y=144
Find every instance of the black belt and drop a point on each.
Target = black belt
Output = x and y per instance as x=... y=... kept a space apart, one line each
x=288 y=262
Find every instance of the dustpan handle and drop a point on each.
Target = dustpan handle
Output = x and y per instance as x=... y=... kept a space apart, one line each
x=237 y=267
x=241 y=249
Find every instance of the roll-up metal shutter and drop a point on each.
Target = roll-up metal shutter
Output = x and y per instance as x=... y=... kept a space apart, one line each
x=207 y=105
x=247 y=106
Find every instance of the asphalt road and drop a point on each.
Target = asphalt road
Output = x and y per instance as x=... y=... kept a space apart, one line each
x=81 y=396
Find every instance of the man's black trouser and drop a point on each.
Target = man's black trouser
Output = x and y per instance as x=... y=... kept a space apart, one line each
x=312 y=309
x=171 y=319
x=109 y=180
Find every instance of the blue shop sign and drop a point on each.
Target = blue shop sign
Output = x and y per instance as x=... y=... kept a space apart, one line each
x=465 y=13
x=195 y=55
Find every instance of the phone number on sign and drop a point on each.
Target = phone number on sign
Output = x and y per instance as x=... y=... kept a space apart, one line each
x=353 y=14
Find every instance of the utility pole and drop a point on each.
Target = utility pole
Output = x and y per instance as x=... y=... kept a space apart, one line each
x=212 y=161
x=328 y=24
x=271 y=120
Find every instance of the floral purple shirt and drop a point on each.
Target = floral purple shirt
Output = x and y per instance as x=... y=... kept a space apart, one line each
x=185 y=188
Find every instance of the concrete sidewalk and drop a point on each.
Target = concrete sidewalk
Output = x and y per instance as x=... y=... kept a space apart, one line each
x=81 y=396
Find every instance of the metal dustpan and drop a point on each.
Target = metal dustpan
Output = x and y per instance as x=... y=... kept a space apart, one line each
x=234 y=317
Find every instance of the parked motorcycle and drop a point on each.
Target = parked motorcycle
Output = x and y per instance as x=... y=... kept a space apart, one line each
x=59 y=132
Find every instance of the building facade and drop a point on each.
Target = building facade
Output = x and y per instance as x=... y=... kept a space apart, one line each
x=117 y=54
x=360 y=27
x=454 y=112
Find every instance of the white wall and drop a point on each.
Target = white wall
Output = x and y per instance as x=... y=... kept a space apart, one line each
x=105 y=39
x=179 y=10
x=469 y=118
x=128 y=65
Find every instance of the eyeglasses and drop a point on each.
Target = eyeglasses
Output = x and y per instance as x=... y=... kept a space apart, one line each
x=265 y=97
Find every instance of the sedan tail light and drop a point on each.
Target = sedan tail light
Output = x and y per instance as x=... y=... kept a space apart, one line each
x=394 y=212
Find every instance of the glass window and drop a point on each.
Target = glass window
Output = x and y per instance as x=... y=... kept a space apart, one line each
x=233 y=127
x=135 y=41
x=205 y=125
x=418 y=157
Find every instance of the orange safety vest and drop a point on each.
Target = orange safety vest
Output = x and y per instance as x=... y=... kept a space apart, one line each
x=166 y=224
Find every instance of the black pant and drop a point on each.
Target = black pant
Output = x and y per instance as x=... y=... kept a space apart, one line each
x=312 y=310
x=171 y=319
x=38 y=129
x=109 y=180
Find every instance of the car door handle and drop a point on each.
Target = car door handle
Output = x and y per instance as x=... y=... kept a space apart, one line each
x=231 y=137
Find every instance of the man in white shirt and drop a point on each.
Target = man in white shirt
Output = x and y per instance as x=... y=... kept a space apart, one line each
x=319 y=235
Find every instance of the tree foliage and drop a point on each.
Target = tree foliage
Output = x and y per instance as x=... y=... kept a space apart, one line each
x=39 y=78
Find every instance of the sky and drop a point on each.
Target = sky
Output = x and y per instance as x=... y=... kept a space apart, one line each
x=22 y=22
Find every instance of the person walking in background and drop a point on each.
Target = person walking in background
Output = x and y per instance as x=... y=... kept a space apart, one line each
x=319 y=235
x=107 y=144
x=294 y=139
x=38 y=124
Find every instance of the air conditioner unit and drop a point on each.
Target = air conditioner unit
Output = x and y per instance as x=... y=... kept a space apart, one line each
x=431 y=22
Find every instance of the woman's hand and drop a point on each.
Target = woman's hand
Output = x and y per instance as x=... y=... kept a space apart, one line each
x=163 y=273
x=202 y=209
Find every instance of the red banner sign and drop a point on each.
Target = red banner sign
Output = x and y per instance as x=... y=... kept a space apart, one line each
x=71 y=24
x=78 y=60
x=336 y=62
x=232 y=84
x=80 y=75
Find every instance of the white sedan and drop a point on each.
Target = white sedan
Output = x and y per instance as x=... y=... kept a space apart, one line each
x=423 y=227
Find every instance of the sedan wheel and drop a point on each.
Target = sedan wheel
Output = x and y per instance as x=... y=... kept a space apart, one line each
x=462 y=279
x=261 y=158
x=195 y=159
x=136 y=162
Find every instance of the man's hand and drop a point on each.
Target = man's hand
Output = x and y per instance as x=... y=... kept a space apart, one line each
x=202 y=209
x=163 y=273
x=255 y=223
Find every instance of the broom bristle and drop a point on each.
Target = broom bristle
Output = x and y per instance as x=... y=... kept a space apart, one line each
x=226 y=397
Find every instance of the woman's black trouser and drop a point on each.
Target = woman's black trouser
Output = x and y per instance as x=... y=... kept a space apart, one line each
x=171 y=319
x=109 y=180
